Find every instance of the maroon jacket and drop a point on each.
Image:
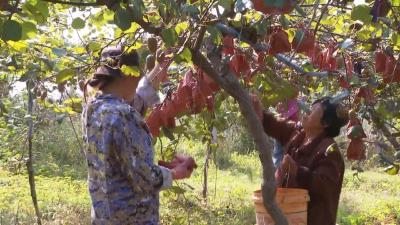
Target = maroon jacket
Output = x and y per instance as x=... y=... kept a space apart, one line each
x=320 y=168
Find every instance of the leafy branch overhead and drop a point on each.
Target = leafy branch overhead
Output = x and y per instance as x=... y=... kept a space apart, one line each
x=281 y=49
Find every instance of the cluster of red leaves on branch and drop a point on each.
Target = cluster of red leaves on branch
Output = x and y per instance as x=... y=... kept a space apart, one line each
x=287 y=7
x=303 y=42
x=387 y=66
x=194 y=92
x=349 y=67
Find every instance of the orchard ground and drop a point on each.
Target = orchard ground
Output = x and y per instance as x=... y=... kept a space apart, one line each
x=371 y=198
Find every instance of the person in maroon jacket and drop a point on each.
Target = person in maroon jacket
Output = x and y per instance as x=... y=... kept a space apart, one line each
x=312 y=159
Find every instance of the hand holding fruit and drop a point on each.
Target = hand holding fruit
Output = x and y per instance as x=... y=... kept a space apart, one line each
x=181 y=166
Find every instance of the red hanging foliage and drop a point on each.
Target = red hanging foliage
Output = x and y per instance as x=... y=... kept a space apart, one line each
x=306 y=43
x=278 y=41
x=288 y=6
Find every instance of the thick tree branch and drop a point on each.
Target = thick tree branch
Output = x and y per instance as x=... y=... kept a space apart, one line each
x=29 y=163
x=96 y=3
x=220 y=73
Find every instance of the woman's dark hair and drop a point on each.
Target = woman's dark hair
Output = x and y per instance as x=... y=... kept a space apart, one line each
x=331 y=118
x=112 y=58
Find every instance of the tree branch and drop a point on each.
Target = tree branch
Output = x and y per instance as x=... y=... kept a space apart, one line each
x=221 y=74
x=29 y=163
x=97 y=3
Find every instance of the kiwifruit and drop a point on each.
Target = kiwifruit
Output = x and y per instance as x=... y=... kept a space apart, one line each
x=81 y=85
x=44 y=95
x=150 y=62
x=152 y=44
x=61 y=88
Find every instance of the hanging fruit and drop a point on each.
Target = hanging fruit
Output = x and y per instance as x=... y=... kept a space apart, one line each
x=303 y=41
x=228 y=45
x=343 y=82
x=154 y=122
x=210 y=101
x=389 y=69
x=278 y=41
x=328 y=58
x=150 y=62
x=274 y=7
x=208 y=81
x=61 y=87
x=349 y=66
x=364 y=93
x=182 y=98
x=380 y=61
x=356 y=134
x=152 y=44
x=316 y=55
x=239 y=64
x=81 y=85
x=168 y=111
x=199 y=100
x=380 y=9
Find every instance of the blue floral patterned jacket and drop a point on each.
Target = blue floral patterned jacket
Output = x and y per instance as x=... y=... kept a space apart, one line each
x=124 y=183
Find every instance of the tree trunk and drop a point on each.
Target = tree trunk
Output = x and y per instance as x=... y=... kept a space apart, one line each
x=29 y=163
x=219 y=72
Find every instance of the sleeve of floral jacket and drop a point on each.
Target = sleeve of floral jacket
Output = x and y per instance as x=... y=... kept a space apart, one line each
x=146 y=96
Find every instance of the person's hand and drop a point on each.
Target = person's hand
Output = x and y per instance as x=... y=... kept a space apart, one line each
x=163 y=61
x=288 y=165
x=257 y=106
x=181 y=166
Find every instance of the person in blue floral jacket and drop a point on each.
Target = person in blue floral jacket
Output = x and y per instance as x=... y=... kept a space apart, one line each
x=124 y=183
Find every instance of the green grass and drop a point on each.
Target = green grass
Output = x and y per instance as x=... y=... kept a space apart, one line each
x=374 y=198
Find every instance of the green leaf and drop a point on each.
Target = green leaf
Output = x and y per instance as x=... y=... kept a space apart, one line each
x=138 y=8
x=170 y=36
x=396 y=39
x=181 y=27
x=28 y=30
x=37 y=10
x=12 y=31
x=215 y=35
x=300 y=11
x=122 y=19
x=64 y=75
x=60 y=52
x=134 y=27
x=284 y=21
x=185 y=56
x=392 y=170
x=78 y=23
x=190 y=10
x=177 y=190
x=130 y=70
x=226 y=4
x=274 y=3
x=362 y=13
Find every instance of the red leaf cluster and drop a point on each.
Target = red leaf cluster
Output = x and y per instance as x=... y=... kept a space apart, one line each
x=356 y=148
x=278 y=41
x=303 y=45
x=288 y=7
x=388 y=67
x=194 y=93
